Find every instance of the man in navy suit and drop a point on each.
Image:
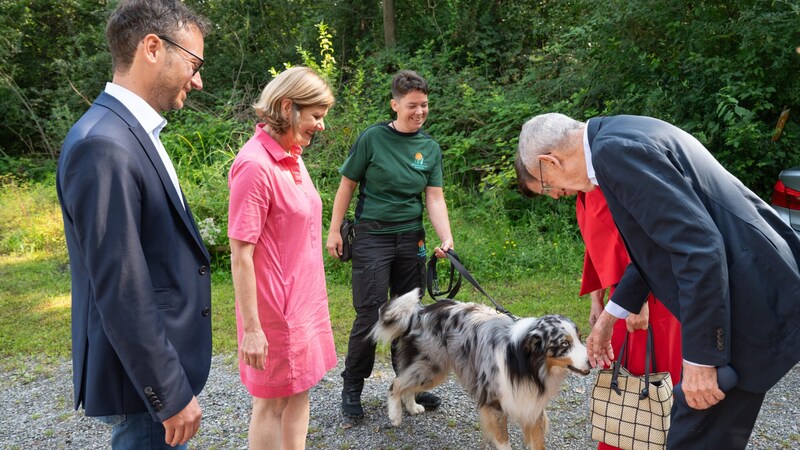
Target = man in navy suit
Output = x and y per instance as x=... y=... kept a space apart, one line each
x=141 y=290
x=717 y=256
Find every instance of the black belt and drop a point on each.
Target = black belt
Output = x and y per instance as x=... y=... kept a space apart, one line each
x=378 y=225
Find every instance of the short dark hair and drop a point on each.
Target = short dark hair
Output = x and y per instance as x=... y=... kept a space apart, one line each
x=406 y=81
x=523 y=177
x=132 y=20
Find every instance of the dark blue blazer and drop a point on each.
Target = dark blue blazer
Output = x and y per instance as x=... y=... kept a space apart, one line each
x=141 y=289
x=714 y=253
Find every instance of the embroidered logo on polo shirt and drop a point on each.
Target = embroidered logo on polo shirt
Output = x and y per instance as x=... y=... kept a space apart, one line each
x=419 y=162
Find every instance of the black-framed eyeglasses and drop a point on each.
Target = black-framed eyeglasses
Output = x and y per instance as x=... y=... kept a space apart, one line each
x=202 y=61
x=545 y=187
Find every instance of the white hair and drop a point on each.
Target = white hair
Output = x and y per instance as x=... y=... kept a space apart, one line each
x=541 y=134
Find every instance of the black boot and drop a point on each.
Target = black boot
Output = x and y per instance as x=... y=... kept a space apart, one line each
x=428 y=400
x=351 y=398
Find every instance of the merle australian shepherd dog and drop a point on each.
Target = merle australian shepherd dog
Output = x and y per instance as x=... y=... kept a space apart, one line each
x=512 y=368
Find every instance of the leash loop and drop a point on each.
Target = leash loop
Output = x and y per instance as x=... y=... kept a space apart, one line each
x=453 y=287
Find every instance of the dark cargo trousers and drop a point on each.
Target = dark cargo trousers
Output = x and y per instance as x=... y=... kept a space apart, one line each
x=384 y=266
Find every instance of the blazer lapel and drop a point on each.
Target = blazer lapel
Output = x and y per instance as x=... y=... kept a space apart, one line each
x=155 y=159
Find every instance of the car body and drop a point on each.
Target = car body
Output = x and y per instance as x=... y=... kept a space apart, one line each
x=786 y=197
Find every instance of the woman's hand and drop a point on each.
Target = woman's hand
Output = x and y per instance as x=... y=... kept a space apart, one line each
x=334 y=244
x=597 y=305
x=254 y=348
x=440 y=251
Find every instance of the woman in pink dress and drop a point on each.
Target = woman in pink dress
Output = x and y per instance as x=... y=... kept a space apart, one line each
x=275 y=229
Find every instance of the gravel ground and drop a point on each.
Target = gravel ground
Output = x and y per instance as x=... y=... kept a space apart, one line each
x=37 y=413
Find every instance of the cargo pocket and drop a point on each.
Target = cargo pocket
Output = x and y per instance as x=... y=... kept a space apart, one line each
x=364 y=286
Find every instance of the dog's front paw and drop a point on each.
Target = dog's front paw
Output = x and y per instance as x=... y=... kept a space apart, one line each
x=396 y=417
x=415 y=408
x=395 y=410
x=410 y=402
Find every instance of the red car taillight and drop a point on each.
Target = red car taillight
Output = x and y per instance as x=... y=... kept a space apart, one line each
x=784 y=197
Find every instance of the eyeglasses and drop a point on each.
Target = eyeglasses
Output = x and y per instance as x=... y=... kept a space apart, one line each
x=546 y=188
x=202 y=61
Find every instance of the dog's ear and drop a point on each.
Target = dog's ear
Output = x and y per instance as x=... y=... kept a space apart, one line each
x=535 y=343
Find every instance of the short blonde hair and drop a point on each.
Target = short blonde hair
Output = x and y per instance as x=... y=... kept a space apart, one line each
x=299 y=84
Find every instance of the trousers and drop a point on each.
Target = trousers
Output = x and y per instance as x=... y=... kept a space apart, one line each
x=384 y=265
x=137 y=431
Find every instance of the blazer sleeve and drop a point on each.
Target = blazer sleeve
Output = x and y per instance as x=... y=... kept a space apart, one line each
x=102 y=192
x=631 y=292
x=663 y=219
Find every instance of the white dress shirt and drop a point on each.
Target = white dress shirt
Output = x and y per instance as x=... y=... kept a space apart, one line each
x=151 y=121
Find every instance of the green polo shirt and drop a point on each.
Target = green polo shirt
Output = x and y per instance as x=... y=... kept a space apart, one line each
x=392 y=170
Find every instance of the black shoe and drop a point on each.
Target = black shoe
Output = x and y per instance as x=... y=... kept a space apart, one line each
x=351 y=400
x=428 y=400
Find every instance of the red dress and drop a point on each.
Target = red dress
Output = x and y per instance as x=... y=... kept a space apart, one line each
x=604 y=262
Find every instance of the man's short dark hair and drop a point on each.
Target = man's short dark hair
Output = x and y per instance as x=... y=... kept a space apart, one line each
x=132 y=20
x=406 y=81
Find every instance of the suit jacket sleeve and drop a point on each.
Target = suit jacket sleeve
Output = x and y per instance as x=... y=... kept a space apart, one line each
x=662 y=218
x=104 y=198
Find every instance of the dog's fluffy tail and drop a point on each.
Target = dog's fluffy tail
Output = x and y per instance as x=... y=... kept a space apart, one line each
x=395 y=317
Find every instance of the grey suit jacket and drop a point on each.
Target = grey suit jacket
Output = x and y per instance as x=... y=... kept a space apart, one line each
x=141 y=290
x=714 y=253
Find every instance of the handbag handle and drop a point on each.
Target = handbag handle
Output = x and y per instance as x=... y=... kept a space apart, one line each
x=652 y=359
x=649 y=366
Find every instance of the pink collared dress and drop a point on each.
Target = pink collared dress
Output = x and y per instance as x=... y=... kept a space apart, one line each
x=274 y=205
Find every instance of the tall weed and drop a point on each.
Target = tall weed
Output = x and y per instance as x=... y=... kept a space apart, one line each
x=30 y=218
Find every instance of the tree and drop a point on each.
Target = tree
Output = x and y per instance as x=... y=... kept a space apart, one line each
x=388 y=23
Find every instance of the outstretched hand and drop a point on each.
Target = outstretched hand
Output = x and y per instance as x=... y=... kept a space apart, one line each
x=598 y=344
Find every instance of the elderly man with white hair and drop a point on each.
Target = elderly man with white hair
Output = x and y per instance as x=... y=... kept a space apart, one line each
x=716 y=255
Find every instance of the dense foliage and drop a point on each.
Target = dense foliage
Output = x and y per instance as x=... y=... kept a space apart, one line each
x=724 y=70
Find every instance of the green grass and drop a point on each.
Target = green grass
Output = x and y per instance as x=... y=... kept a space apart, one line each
x=34 y=305
x=530 y=266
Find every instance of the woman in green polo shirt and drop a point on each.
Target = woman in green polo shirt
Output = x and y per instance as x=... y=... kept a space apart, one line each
x=392 y=164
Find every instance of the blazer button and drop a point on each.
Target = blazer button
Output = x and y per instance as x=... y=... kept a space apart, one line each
x=158 y=407
x=148 y=390
x=206 y=311
x=202 y=270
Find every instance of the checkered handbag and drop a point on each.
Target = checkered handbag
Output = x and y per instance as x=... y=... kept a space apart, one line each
x=628 y=411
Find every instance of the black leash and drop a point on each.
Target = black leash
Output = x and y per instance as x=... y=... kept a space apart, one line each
x=454 y=287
